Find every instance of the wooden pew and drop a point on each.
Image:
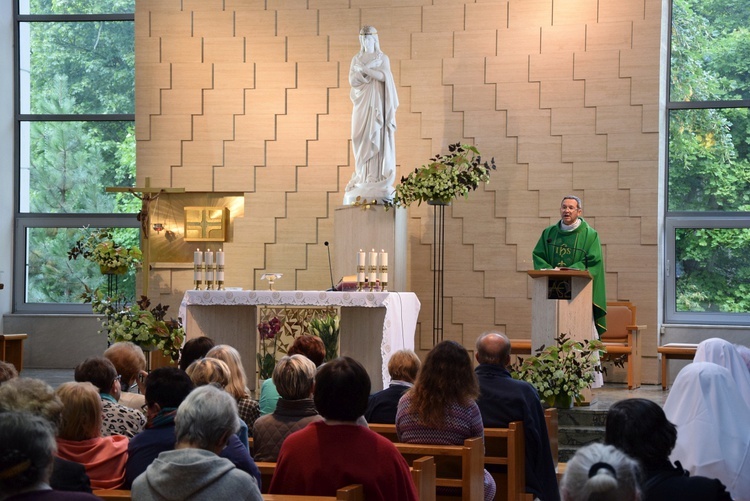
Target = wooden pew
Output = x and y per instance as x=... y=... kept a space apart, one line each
x=266 y=473
x=349 y=493
x=457 y=466
x=422 y=473
x=504 y=447
x=112 y=494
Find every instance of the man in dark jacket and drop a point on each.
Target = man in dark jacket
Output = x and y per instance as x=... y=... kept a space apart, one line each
x=503 y=399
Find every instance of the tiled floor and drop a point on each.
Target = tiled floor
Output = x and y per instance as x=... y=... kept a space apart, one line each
x=603 y=397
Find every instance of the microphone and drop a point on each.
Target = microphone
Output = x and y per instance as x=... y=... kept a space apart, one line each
x=330 y=266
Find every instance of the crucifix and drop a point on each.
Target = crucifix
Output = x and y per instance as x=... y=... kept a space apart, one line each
x=146 y=194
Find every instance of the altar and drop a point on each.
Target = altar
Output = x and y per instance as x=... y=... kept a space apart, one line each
x=373 y=325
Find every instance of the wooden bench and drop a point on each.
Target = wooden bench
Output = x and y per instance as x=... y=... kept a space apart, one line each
x=113 y=494
x=459 y=467
x=11 y=349
x=677 y=351
x=503 y=446
x=349 y=493
x=422 y=473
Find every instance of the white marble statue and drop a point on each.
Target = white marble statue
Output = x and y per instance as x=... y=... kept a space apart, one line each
x=375 y=101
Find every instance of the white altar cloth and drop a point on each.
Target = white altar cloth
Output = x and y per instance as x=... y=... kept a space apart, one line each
x=399 y=326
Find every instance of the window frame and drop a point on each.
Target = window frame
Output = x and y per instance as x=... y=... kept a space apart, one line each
x=29 y=220
x=674 y=220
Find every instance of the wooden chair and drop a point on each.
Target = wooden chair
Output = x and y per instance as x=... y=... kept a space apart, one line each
x=460 y=467
x=353 y=492
x=520 y=346
x=11 y=349
x=676 y=351
x=622 y=338
x=113 y=494
x=386 y=430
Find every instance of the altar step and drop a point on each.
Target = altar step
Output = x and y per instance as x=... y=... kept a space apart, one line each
x=577 y=427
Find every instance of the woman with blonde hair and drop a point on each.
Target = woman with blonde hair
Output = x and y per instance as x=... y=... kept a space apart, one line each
x=237 y=387
x=441 y=408
x=215 y=372
x=79 y=437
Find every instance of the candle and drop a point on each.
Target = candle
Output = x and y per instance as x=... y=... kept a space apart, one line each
x=209 y=258
x=373 y=276
x=220 y=257
x=360 y=258
x=383 y=258
x=197 y=262
x=209 y=275
x=220 y=265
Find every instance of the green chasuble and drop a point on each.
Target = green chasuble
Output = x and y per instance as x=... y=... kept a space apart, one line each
x=578 y=249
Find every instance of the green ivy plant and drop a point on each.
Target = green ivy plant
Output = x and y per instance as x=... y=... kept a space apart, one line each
x=560 y=372
x=445 y=178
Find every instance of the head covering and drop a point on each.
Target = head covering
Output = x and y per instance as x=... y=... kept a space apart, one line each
x=724 y=353
x=713 y=429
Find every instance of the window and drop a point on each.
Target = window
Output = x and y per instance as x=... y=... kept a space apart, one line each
x=708 y=174
x=75 y=103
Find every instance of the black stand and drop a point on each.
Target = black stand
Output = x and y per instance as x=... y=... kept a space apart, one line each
x=438 y=266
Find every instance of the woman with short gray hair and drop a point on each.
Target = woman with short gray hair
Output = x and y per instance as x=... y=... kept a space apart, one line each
x=293 y=378
x=204 y=422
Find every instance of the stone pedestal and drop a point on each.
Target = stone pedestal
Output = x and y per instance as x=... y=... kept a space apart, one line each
x=357 y=228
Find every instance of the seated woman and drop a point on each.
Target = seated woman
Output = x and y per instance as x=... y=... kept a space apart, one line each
x=214 y=371
x=310 y=346
x=403 y=368
x=713 y=432
x=442 y=408
x=598 y=472
x=293 y=377
x=237 y=387
x=724 y=353
x=130 y=363
x=117 y=419
x=28 y=446
x=195 y=349
x=327 y=455
x=79 y=437
x=37 y=397
x=640 y=429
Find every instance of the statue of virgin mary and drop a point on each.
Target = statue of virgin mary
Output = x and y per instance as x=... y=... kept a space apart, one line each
x=374 y=102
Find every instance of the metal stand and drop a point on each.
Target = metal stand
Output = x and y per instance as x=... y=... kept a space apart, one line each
x=438 y=266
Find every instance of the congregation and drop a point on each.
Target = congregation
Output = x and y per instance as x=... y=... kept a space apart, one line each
x=194 y=431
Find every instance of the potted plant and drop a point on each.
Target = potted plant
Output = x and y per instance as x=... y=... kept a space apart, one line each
x=99 y=246
x=560 y=372
x=139 y=324
x=445 y=178
x=268 y=341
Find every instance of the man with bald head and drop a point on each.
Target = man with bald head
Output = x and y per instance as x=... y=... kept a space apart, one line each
x=503 y=399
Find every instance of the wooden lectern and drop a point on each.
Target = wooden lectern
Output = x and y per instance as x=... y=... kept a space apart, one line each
x=560 y=303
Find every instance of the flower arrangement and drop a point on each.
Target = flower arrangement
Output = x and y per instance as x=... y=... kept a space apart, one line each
x=268 y=332
x=327 y=329
x=445 y=178
x=98 y=246
x=561 y=372
x=139 y=324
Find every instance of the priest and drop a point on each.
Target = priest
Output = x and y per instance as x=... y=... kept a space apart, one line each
x=572 y=244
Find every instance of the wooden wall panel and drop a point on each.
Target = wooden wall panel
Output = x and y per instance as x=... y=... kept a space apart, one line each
x=253 y=96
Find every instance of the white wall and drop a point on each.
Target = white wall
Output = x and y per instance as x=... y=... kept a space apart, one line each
x=7 y=179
